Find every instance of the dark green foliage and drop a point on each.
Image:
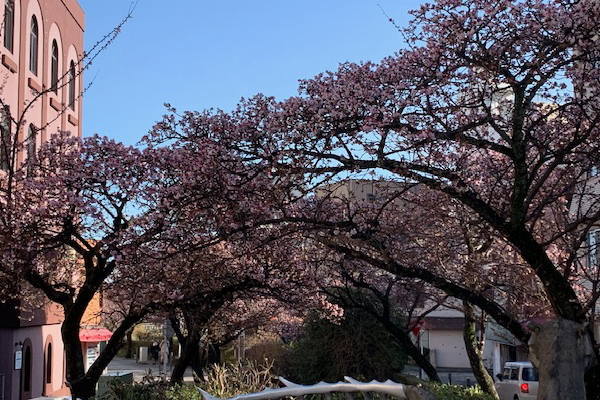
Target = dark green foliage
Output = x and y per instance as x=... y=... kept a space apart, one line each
x=151 y=391
x=137 y=391
x=455 y=392
x=357 y=346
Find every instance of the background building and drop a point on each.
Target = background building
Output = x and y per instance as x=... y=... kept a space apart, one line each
x=41 y=42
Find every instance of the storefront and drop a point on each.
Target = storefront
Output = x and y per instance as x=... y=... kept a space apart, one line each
x=93 y=341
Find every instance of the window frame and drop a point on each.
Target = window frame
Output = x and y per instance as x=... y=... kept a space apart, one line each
x=54 y=65
x=48 y=365
x=593 y=245
x=5 y=140
x=27 y=366
x=34 y=50
x=31 y=144
x=9 y=25
x=72 y=85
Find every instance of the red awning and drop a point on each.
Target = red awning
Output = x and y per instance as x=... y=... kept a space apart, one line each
x=94 y=335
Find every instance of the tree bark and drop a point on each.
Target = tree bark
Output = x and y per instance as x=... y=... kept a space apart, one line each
x=592 y=383
x=129 y=352
x=475 y=350
x=560 y=350
x=213 y=354
x=412 y=350
x=81 y=383
x=74 y=361
x=191 y=348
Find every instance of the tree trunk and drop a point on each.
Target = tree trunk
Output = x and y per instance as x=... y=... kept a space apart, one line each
x=592 y=383
x=75 y=368
x=213 y=354
x=559 y=350
x=83 y=389
x=81 y=383
x=411 y=349
x=129 y=352
x=198 y=364
x=474 y=352
x=191 y=347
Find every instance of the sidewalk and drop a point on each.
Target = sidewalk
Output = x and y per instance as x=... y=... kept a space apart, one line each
x=126 y=365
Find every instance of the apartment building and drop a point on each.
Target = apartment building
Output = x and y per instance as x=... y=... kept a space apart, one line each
x=41 y=42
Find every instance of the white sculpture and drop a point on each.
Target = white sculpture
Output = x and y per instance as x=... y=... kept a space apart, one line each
x=294 y=389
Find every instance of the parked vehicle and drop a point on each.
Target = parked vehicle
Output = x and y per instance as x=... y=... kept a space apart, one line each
x=518 y=381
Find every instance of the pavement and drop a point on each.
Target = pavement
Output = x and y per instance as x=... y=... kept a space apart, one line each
x=126 y=365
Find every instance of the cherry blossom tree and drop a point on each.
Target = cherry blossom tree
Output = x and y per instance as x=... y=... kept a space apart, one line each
x=393 y=302
x=204 y=338
x=453 y=243
x=489 y=104
x=95 y=215
x=266 y=264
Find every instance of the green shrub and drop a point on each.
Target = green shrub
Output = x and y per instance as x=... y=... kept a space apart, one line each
x=151 y=391
x=455 y=392
x=183 y=392
x=137 y=391
x=358 y=346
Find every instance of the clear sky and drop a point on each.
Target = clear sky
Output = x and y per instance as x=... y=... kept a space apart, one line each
x=198 y=54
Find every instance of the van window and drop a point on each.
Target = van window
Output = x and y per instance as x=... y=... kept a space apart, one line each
x=506 y=374
x=530 y=375
x=514 y=374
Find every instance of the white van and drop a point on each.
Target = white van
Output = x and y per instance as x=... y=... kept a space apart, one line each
x=518 y=381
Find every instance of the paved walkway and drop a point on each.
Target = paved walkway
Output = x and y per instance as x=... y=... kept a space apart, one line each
x=125 y=365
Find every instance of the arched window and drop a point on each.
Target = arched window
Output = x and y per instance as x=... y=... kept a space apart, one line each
x=72 y=76
x=31 y=144
x=33 y=46
x=49 y=363
x=27 y=369
x=9 y=24
x=54 y=68
x=4 y=146
x=5 y=140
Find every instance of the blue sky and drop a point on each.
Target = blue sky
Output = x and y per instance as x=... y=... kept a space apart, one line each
x=197 y=54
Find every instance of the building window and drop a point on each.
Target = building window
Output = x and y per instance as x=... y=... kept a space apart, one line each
x=5 y=140
x=72 y=86
x=27 y=369
x=54 y=68
x=594 y=171
x=33 y=46
x=31 y=145
x=49 y=363
x=593 y=245
x=9 y=24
